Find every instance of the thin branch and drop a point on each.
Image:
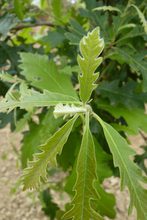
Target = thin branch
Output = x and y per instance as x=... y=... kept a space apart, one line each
x=143 y=136
x=22 y=26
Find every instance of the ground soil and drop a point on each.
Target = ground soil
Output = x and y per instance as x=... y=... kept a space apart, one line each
x=18 y=205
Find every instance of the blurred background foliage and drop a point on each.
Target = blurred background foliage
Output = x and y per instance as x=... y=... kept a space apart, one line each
x=54 y=28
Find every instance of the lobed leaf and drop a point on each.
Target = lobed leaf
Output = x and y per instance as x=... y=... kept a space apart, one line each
x=130 y=174
x=36 y=169
x=85 y=191
x=107 y=8
x=137 y=63
x=90 y=47
x=126 y=94
x=38 y=135
x=43 y=74
x=29 y=98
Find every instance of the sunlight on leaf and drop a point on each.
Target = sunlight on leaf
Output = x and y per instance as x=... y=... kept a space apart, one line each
x=90 y=47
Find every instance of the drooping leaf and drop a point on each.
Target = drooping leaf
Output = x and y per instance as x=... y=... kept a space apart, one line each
x=90 y=47
x=38 y=135
x=84 y=188
x=104 y=204
x=36 y=169
x=130 y=174
x=44 y=74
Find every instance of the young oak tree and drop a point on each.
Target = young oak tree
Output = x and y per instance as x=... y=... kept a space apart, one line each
x=87 y=189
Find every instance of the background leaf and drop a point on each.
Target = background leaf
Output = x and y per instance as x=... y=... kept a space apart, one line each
x=44 y=74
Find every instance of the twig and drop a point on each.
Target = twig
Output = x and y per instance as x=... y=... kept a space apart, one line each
x=22 y=26
x=143 y=136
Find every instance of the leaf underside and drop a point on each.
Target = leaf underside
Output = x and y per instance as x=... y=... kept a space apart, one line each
x=90 y=47
x=85 y=191
x=130 y=174
x=36 y=169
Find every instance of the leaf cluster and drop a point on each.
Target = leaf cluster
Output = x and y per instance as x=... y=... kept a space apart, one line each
x=82 y=109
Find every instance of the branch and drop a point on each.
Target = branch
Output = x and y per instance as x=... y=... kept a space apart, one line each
x=22 y=26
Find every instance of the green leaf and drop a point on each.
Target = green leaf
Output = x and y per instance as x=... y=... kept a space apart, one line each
x=44 y=74
x=53 y=38
x=36 y=169
x=7 y=22
x=38 y=135
x=103 y=162
x=135 y=120
x=57 y=6
x=126 y=94
x=84 y=188
x=106 y=204
x=48 y=206
x=141 y=158
x=76 y=32
x=90 y=47
x=107 y=8
x=29 y=98
x=70 y=148
x=130 y=174
x=137 y=63
x=19 y=8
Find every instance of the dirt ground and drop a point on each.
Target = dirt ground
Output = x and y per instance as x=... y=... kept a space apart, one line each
x=18 y=205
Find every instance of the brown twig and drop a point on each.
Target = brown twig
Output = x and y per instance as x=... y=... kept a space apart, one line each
x=22 y=26
x=143 y=136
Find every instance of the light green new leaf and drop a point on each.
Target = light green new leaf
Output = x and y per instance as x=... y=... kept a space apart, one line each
x=85 y=192
x=36 y=169
x=107 y=8
x=43 y=74
x=29 y=98
x=90 y=47
x=130 y=174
